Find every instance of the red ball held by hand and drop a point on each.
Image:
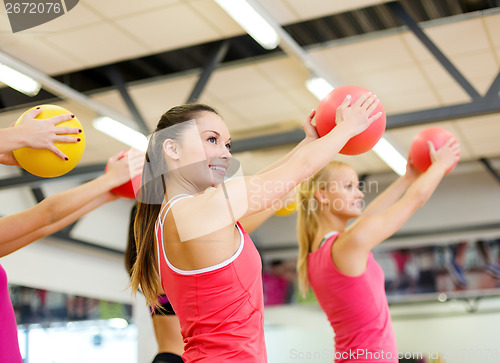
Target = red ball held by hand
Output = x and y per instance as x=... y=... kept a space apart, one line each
x=129 y=189
x=419 y=150
x=325 y=120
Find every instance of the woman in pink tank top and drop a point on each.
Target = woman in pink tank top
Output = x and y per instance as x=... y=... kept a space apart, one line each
x=336 y=261
x=194 y=208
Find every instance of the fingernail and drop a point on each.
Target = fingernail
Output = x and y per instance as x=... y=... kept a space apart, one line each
x=79 y=131
x=72 y=116
x=66 y=158
x=78 y=140
x=38 y=108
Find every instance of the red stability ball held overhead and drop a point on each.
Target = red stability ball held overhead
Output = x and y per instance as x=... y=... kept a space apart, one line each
x=129 y=189
x=325 y=120
x=419 y=150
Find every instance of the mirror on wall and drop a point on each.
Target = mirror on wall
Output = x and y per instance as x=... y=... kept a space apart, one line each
x=420 y=272
x=54 y=327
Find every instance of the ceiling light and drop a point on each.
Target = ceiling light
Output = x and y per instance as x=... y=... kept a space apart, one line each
x=250 y=20
x=390 y=156
x=121 y=132
x=319 y=87
x=19 y=81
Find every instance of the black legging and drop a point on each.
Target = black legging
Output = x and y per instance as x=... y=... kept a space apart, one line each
x=167 y=358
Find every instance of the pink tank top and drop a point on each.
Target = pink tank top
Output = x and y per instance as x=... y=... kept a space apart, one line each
x=355 y=306
x=9 y=344
x=220 y=308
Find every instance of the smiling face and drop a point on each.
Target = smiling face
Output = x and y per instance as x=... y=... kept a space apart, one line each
x=341 y=194
x=204 y=151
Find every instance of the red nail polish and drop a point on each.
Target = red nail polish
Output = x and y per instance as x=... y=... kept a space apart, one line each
x=79 y=131
x=78 y=140
x=38 y=108
x=66 y=158
x=72 y=116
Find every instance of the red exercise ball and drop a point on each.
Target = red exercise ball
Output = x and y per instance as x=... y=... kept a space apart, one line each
x=325 y=120
x=419 y=150
x=129 y=189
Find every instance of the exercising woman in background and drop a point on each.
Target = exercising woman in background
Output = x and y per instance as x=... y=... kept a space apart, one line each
x=336 y=260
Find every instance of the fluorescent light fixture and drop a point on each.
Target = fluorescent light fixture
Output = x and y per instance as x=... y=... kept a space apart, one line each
x=390 y=156
x=19 y=81
x=319 y=87
x=121 y=132
x=250 y=20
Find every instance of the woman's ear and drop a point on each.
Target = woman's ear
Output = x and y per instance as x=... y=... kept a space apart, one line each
x=319 y=194
x=171 y=149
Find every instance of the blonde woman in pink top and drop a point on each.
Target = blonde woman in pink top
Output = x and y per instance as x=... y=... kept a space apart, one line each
x=336 y=261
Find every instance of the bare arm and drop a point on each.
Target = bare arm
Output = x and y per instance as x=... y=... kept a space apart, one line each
x=56 y=207
x=389 y=196
x=242 y=197
x=7 y=247
x=350 y=252
x=252 y=222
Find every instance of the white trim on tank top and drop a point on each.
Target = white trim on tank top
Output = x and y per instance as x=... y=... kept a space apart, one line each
x=327 y=237
x=159 y=222
x=201 y=270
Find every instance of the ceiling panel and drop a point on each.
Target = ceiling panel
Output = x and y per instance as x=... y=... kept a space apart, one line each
x=459 y=37
x=318 y=8
x=482 y=134
x=266 y=108
x=368 y=56
x=113 y=9
x=239 y=82
x=404 y=137
x=400 y=89
x=451 y=94
x=154 y=99
x=281 y=11
x=168 y=28
x=283 y=72
x=216 y=17
x=234 y=119
x=36 y=55
x=476 y=66
x=96 y=44
x=493 y=28
x=79 y=16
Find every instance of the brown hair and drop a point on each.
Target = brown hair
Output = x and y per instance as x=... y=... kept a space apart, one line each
x=308 y=218
x=131 y=250
x=145 y=270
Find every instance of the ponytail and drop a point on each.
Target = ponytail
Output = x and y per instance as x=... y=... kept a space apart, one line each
x=308 y=220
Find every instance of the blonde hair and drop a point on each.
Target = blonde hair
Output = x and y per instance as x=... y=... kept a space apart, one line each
x=308 y=218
